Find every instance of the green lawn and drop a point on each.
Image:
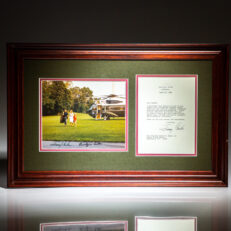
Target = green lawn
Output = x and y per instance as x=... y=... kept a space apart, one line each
x=88 y=129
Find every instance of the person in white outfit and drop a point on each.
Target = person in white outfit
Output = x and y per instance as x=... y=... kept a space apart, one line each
x=71 y=118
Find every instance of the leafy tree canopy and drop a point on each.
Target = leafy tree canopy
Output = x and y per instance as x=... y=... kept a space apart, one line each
x=59 y=95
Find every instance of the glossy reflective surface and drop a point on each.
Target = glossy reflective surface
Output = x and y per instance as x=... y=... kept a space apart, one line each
x=26 y=209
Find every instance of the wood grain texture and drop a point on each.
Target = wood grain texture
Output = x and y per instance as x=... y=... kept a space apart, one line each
x=218 y=54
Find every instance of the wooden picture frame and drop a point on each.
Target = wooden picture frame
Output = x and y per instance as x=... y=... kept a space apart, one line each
x=24 y=61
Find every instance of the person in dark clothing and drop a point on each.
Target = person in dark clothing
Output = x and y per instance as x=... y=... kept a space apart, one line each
x=65 y=116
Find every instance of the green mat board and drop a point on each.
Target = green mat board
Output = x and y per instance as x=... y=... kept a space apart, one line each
x=48 y=161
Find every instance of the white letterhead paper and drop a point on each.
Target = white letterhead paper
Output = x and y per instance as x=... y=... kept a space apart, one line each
x=166 y=115
x=166 y=223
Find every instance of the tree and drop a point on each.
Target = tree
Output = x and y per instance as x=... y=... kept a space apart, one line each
x=47 y=102
x=61 y=95
x=56 y=97
x=81 y=99
x=75 y=94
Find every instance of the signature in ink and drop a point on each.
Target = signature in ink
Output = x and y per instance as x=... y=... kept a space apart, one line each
x=87 y=144
x=179 y=126
x=62 y=143
x=62 y=229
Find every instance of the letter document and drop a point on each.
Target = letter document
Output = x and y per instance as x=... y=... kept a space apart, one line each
x=166 y=115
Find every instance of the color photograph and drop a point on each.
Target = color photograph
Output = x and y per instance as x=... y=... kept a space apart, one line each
x=83 y=115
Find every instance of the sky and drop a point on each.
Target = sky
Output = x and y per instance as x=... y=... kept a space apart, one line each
x=101 y=88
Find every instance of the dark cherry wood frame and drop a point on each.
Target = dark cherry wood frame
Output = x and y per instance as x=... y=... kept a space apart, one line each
x=218 y=54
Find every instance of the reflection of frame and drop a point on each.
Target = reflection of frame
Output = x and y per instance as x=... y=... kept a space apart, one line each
x=76 y=208
x=85 y=226
x=166 y=223
x=89 y=164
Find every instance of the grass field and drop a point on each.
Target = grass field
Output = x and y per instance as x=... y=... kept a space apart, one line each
x=88 y=129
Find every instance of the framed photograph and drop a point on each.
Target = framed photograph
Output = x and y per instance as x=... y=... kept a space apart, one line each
x=166 y=223
x=117 y=115
x=91 y=115
x=85 y=226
